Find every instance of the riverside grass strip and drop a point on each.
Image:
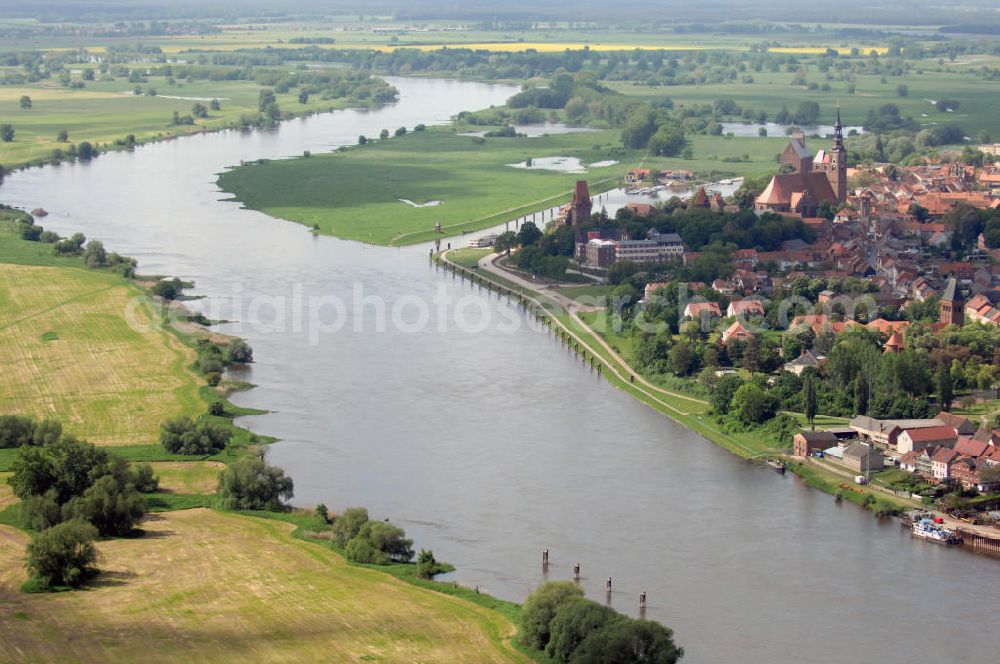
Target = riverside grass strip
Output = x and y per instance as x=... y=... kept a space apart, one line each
x=214 y=586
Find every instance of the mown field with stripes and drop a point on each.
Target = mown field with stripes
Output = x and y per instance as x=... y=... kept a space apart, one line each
x=209 y=586
x=69 y=352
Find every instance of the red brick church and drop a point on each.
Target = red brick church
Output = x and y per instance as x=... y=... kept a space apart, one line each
x=812 y=180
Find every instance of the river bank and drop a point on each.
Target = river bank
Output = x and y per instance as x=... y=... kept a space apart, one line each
x=561 y=314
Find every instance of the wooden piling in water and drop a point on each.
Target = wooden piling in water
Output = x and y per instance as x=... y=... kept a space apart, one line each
x=576 y=571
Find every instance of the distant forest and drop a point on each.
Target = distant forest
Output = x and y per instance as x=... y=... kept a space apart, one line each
x=652 y=14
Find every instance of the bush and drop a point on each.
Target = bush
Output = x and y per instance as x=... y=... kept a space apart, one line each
x=63 y=554
x=111 y=507
x=143 y=479
x=348 y=524
x=388 y=539
x=185 y=436
x=72 y=246
x=360 y=550
x=217 y=409
x=40 y=512
x=19 y=430
x=30 y=232
x=94 y=255
x=540 y=608
x=574 y=620
x=168 y=289
x=251 y=484
x=428 y=566
x=210 y=358
x=371 y=542
x=629 y=641
x=239 y=351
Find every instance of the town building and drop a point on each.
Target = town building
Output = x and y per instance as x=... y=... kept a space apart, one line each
x=596 y=253
x=804 y=361
x=951 y=305
x=737 y=331
x=941 y=463
x=746 y=308
x=915 y=439
x=963 y=426
x=805 y=443
x=883 y=433
x=704 y=312
x=862 y=457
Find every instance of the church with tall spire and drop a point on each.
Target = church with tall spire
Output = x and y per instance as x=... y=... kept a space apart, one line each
x=808 y=180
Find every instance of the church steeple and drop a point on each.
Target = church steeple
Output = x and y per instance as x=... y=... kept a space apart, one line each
x=838 y=133
x=837 y=171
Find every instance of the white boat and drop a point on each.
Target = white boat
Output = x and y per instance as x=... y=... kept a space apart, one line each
x=928 y=530
x=483 y=242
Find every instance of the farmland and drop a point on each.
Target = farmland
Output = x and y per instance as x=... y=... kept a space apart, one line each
x=107 y=111
x=356 y=194
x=770 y=91
x=190 y=477
x=69 y=353
x=196 y=587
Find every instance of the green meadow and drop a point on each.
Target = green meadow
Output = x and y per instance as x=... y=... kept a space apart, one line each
x=355 y=194
x=770 y=91
x=106 y=111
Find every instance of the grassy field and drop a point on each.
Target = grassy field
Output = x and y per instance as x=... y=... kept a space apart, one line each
x=195 y=477
x=770 y=91
x=209 y=586
x=105 y=111
x=6 y=494
x=595 y=291
x=68 y=353
x=469 y=256
x=356 y=194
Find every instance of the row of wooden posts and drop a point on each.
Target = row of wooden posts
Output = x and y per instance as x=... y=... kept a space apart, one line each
x=526 y=303
x=607 y=584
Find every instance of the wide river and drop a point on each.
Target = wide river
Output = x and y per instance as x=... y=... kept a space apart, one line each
x=488 y=442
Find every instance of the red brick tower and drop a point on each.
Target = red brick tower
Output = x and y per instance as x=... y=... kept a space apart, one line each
x=581 y=205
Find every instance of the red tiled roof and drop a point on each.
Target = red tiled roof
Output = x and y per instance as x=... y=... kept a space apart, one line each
x=945 y=455
x=973 y=448
x=930 y=433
